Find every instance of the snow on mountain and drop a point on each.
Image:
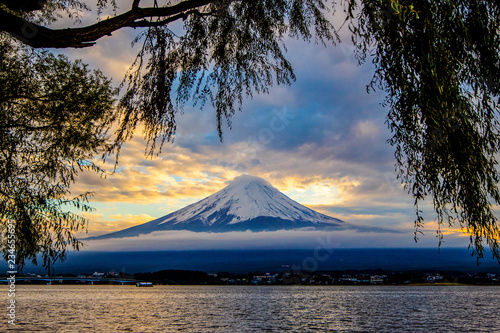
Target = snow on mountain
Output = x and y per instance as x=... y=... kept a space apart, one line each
x=247 y=203
x=247 y=198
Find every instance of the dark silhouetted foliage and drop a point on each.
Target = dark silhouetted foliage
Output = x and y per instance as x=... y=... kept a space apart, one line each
x=53 y=119
x=437 y=61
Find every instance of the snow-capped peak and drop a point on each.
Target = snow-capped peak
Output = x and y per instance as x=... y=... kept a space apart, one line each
x=246 y=198
x=247 y=203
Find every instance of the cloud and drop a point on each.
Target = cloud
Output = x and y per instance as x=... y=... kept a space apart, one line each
x=286 y=239
x=142 y=180
x=99 y=225
x=137 y=218
x=366 y=129
x=322 y=141
x=346 y=190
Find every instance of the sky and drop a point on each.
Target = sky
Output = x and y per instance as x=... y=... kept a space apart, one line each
x=322 y=141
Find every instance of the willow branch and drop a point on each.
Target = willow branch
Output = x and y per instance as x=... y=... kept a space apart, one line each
x=38 y=36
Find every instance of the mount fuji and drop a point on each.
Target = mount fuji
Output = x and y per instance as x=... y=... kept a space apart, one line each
x=247 y=203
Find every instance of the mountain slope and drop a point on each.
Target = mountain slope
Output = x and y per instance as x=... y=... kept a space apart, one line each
x=247 y=203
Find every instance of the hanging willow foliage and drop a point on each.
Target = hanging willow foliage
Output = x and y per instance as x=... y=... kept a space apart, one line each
x=437 y=61
x=53 y=117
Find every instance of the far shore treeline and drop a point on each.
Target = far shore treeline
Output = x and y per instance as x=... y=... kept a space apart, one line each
x=346 y=277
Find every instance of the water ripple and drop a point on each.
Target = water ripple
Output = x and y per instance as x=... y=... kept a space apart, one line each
x=256 y=309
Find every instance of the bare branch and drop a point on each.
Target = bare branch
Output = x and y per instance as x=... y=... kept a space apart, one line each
x=41 y=37
x=150 y=24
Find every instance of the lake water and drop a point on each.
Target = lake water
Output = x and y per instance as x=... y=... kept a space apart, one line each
x=116 y=308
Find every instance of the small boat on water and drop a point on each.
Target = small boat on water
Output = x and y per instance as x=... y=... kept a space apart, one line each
x=144 y=284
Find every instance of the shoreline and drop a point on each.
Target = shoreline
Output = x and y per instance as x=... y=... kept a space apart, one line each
x=443 y=284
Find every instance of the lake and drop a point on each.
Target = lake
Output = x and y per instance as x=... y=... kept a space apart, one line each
x=114 y=308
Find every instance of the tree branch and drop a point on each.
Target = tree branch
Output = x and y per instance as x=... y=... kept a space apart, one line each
x=38 y=36
x=27 y=127
x=150 y=24
x=184 y=15
x=135 y=4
